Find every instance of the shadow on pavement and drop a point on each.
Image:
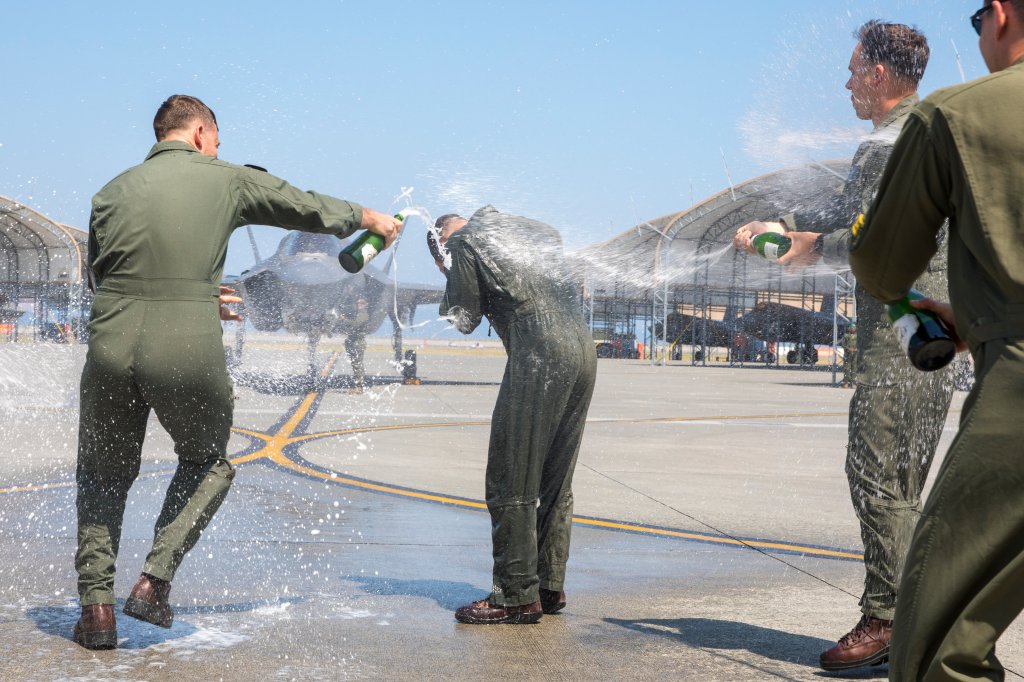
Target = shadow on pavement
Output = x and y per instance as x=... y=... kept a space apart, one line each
x=448 y=595
x=59 y=621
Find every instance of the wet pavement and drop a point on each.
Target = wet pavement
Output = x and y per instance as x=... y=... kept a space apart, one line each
x=715 y=539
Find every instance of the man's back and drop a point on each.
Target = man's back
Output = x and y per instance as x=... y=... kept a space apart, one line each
x=522 y=267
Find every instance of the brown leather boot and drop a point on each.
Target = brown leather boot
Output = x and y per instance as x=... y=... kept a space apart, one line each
x=148 y=601
x=866 y=644
x=551 y=601
x=97 y=628
x=484 y=613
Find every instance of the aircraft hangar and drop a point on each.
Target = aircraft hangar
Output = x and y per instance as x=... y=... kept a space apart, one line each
x=677 y=284
x=42 y=268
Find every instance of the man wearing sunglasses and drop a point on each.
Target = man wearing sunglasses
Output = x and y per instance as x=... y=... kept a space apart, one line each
x=961 y=157
x=896 y=412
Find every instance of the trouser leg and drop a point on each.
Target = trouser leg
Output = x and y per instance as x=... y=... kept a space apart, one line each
x=532 y=395
x=894 y=432
x=193 y=497
x=112 y=425
x=187 y=384
x=554 y=515
x=964 y=579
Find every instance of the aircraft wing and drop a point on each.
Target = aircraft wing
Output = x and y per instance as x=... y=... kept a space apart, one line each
x=419 y=294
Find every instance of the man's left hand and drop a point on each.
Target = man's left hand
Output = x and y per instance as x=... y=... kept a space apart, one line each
x=226 y=297
x=801 y=253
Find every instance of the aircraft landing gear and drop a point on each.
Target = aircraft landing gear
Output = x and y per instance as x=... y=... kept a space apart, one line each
x=409 y=377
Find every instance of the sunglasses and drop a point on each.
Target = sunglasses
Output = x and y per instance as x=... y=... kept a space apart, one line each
x=976 y=18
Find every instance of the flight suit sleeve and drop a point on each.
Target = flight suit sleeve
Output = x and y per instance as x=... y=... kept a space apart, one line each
x=268 y=200
x=834 y=221
x=462 y=297
x=898 y=236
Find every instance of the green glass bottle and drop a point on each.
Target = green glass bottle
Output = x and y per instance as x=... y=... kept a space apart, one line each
x=771 y=245
x=923 y=336
x=363 y=250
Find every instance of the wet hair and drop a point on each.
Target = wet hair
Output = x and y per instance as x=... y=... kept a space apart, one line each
x=177 y=112
x=443 y=221
x=902 y=48
x=434 y=245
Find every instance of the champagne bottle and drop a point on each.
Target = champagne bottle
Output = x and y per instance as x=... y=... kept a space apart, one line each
x=772 y=245
x=363 y=250
x=923 y=336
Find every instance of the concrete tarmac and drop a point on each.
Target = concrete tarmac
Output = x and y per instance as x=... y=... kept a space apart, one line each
x=715 y=538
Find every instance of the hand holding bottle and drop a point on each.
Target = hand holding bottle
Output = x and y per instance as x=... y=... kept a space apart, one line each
x=383 y=225
x=944 y=311
x=923 y=335
x=745 y=235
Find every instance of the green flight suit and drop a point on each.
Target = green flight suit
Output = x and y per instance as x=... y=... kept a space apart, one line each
x=896 y=412
x=157 y=241
x=512 y=270
x=961 y=157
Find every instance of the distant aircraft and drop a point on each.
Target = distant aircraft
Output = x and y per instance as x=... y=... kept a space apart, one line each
x=778 y=322
x=728 y=333
x=303 y=289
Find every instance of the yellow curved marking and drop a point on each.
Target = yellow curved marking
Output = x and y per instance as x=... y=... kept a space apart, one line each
x=274 y=444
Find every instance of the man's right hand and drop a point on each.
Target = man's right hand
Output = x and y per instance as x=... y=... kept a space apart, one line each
x=746 y=234
x=944 y=312
x=385 y=225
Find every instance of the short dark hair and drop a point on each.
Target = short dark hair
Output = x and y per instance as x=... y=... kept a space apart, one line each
x=177 y=112
x=441 y=222
x=902 y=48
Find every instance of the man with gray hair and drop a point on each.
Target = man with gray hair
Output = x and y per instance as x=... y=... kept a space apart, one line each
x=961 y=157
x=896 y=413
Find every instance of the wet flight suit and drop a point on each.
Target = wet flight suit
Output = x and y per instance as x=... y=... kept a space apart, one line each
x=157 y=240
x=512 y=270
x=896 y=412
x=961 y=157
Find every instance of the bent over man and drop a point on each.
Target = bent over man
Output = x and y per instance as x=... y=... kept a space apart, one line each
x=512 y=270
x=896 y=412
x=961 y=157
x=157 y=240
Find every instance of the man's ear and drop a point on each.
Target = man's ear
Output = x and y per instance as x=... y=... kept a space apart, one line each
x=197 y=137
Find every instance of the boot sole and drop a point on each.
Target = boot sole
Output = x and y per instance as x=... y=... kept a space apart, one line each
x=555 y=608
x=136 y=608
x=874 y=659
x=518 y=619
x=100 y=640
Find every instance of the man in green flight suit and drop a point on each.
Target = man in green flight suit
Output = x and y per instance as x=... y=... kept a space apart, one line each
x=355 y=344
x=896 y=413
x=512 y=270
x=961 y=157
x=157 y=241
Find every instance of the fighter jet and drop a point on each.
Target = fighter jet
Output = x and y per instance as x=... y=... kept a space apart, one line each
x=781 y=323
x=303 y=290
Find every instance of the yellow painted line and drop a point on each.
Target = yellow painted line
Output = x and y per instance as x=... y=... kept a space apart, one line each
x=274 y=444
x=37 y=487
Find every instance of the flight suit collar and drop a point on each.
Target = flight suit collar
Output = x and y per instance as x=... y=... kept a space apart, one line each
x=901 y=109
x=168 y=146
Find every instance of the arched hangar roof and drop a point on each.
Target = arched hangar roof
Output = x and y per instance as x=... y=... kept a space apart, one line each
x=35 y=249
x=693 y=247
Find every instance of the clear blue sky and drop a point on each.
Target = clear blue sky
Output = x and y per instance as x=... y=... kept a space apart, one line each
x=590 y=115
